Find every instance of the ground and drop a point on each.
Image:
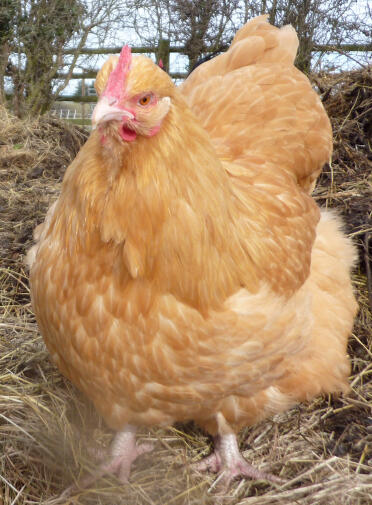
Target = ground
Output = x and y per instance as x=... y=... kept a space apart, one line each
x=321 y=448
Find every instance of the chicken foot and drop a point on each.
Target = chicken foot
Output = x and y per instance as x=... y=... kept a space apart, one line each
x=228 y=462
x=123 y=452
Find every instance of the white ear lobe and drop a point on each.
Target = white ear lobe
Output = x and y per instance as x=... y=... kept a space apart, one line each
x=163 y=107
x=166 y=103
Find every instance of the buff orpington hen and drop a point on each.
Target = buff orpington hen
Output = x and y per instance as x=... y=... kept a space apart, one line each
x=185 y=272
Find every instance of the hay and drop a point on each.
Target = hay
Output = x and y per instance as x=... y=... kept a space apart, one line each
x=321 y=448
x=346 y=184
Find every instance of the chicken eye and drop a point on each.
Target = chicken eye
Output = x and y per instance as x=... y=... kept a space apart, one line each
x=145 y=100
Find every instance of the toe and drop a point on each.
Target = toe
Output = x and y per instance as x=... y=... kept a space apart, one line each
x=143 y=448
x=126 y=460
x=244 y=469
x=211 y=463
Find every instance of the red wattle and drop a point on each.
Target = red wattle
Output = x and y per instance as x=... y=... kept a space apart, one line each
x=154 y=131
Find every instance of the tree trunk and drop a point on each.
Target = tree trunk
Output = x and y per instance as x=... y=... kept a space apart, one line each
x=4 y=57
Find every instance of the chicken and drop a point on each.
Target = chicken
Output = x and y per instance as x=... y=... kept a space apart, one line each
x=185 y=272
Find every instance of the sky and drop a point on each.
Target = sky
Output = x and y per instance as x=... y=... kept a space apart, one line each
x=178 y=62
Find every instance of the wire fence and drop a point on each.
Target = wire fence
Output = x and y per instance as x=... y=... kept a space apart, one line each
x=81 y=114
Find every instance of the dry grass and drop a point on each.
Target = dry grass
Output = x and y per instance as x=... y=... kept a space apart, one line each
x=347 y=182
x=322 y=448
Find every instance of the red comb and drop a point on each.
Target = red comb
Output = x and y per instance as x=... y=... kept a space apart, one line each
x=160 y=63
x=115 y=83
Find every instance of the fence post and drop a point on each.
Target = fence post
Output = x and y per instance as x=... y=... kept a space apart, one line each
x=163 y=53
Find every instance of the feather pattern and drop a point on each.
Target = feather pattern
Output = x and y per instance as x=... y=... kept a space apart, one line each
x=190 y=272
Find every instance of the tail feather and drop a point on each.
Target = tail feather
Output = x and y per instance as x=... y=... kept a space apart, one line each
x=254 y=103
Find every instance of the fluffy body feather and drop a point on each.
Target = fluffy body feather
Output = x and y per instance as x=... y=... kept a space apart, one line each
x=189 y=273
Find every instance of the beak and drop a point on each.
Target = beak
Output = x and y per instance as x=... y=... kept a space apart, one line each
x=105 y=111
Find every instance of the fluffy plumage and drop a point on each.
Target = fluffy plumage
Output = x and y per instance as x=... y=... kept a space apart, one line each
x=186 y=273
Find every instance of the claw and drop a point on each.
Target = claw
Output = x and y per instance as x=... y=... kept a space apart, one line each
x=228 y=462
x=123 y=452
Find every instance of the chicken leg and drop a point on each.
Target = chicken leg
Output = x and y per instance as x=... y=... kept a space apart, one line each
x=228 y=462
x=123 y=452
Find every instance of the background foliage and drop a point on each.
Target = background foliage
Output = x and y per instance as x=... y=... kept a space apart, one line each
x=41 y=40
